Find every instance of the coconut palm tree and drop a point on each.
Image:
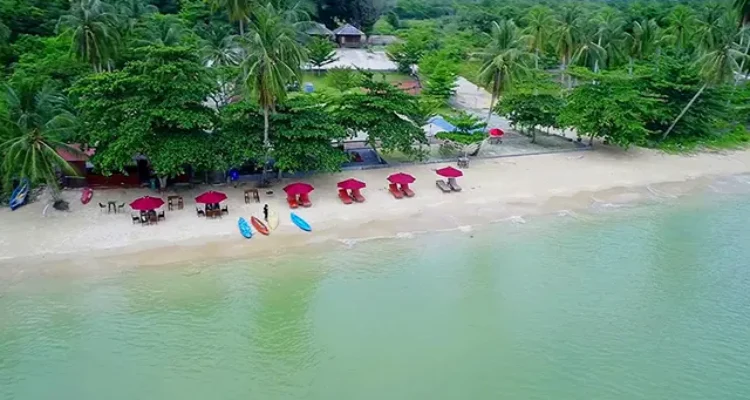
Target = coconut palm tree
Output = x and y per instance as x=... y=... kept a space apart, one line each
x=161 y=30
x=32 y=130
x=681 y=24
x=218 y=47
x=590 y=53
x=505 y=59
x=238 y=10
x=92 y=26
x=717 y=66
x=130 y=11
x=567 y=36
x=610 y=37
x=273 y=59
x=539 y=22
x=644 y=40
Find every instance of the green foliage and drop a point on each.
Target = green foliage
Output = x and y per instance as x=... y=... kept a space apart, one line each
x=467 y=124
x=33 y=125
x=385 y=113
x=321 y=52
x=92 y=28
x=536 y=102
x=343 y=79
x=48 y=62
x=612 y=107
x=440 y=72
x=154 y=107
x=418 y=41
x=303 y=130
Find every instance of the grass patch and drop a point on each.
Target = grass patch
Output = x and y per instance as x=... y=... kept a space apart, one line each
x=320 y=83
x=470 y=70
x=736 y=139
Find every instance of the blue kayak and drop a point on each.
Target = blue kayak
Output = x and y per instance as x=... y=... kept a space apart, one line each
x=19 y=195
x=245 y=228
x=301 y=223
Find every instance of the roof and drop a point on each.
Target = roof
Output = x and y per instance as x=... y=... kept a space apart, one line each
x=440 y=122
x=75 y=156
x=348 y=30
x=319 y=29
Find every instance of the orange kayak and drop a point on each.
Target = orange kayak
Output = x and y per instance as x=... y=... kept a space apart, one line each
x=259 y=226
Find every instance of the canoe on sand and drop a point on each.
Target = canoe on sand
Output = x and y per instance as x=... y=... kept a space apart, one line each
x=273 y=220
x=301 y=223
x=244 y=228
x=259 y=226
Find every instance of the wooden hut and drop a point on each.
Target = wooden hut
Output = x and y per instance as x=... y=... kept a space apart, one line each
x=349 y=36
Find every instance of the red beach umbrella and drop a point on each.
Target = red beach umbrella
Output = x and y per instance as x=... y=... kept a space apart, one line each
x=449 y=172
x=298 y=188
x=401 y=178
x=496 y=132
x=146 y=203
x=351 y=184
x=211 y=197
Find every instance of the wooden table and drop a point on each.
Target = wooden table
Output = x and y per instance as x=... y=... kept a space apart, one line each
x=170 y=202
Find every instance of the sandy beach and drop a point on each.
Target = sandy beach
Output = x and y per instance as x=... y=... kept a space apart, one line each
x=494 y=190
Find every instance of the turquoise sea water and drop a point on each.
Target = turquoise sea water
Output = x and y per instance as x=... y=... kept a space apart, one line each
x=651 y=302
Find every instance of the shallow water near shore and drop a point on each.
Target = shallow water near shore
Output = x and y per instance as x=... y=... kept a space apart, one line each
x=638 y=302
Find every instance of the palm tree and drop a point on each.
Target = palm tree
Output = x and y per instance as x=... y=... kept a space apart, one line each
x=610 y=37
x=92 y=25
x=33 y=128
x=591 y=54
x=273 y=59
x=218 y=47
x=238 y=10
x=717 y=66
x=567 y=36
x=131 y=11
x=505 y=59
x=643 y=41
x=681 y=24
x=161 y=30
x=539 y=22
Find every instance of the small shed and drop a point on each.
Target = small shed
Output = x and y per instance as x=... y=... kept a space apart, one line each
x=349 y=36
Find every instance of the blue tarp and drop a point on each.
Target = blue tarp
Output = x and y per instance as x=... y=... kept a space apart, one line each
x=441 y=123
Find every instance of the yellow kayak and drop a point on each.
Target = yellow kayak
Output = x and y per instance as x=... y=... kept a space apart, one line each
x=273 y=220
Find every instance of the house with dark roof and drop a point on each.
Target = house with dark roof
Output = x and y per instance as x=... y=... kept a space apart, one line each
x=349 y=36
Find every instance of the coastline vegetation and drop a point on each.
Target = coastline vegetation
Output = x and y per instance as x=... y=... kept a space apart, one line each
x=213 y=84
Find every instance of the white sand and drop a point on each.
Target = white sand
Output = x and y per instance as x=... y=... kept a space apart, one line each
x=493 y=190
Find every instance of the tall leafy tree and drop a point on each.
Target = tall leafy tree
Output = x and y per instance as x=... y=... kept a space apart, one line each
x=33 y=126
x=161 y=30
x=272 y=61
x=155 y=107
x=505 y=59
x=539 y=24
x=92 y=26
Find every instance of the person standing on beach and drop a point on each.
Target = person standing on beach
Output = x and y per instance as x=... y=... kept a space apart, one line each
x=265 y=212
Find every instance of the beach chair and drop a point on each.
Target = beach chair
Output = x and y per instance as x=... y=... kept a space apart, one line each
x=120 y=208
x=225 y=210
x=454 y=185
x=200 y=212
x=161 y=215
x=443 y=186
x=144 y=219
x=304 y=200
x=102 y=207
x=407 y=191
x=393 y=188
x=344 y=196
x=135 y=217
x=357 y=196
x=292 y=201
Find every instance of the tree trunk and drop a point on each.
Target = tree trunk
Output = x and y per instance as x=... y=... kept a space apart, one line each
x=537 y=58
x=742 y=65
x=630 y=66
x=242 y=27
x=684 y=111
x=266 y=141
x=495 y=93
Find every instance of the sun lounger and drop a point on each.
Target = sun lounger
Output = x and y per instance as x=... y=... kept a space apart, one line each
x=292 y=201
x=393 y=188
x=304 y=200
x=200 y=212
x=443 y=186
x=454 y=185
x=135 y=217
x=357 y=195
x=407 y=191
x=344 y=196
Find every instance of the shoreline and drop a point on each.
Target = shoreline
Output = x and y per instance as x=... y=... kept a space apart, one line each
x=495 y=190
